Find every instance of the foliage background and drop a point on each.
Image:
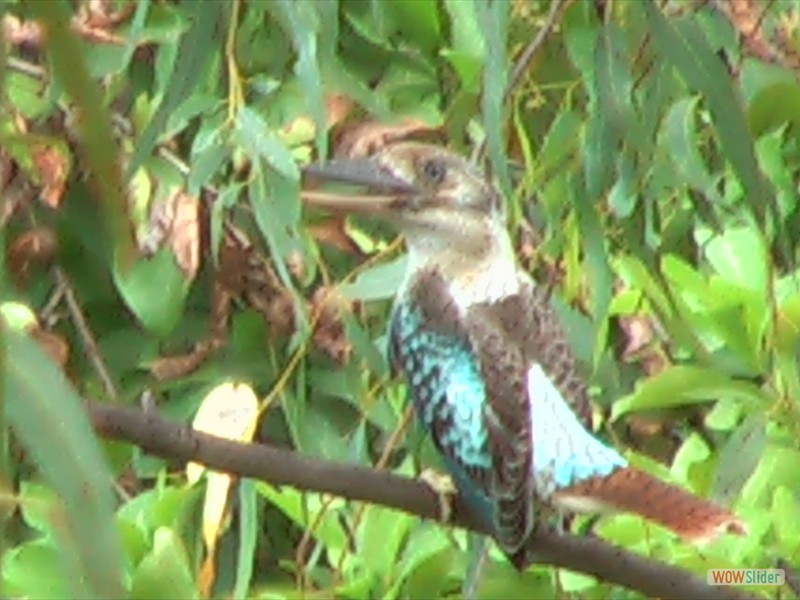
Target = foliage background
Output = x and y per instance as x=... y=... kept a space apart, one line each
x=149 y=168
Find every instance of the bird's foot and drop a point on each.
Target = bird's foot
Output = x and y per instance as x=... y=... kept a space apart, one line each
x=442 y=485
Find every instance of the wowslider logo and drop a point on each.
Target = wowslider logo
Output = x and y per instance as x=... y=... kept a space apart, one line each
x=746 y=577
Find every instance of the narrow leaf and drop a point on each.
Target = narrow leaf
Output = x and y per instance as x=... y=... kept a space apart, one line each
x=194 y=54
x=50 y=421
x=681 y=385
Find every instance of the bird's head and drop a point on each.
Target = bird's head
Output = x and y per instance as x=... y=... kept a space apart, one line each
x=436 y=199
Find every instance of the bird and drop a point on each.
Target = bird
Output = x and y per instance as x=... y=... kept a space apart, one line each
x=491 y=374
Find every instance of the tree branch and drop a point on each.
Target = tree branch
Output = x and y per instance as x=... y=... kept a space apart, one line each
x=154 y=434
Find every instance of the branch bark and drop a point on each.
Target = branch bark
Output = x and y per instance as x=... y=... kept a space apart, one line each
x=158 y=436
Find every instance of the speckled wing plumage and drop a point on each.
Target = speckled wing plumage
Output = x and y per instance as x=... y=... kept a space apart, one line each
x=531 y=324
x=573 y=470
x=500 y=392
x=469 y=390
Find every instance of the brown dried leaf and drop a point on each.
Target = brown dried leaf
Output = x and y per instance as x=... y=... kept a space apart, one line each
x=638 y=333
x=185 y=234
x=8 y=169
x=234 y=267
x=329 y=334
x=642 y=343
x=53 y=164
x=338 y=107
x=36 y=247
x=97 y=18
x=54 y=345
x=748 y=18
x=332 y=232
x=277 y=308
x=221 y=302
x=366 y=138
x=654 y=362
x=173 y=367
x=244 y=271
x=102 y=14
x=174 y=220
x=18 y=32
x=94 y=23
x=296 y=262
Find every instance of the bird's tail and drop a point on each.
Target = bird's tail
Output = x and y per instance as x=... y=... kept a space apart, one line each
x=630 y=490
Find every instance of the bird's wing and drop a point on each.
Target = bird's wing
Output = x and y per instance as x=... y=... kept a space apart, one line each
x=469 y=389
x=564 y=450
x=532 y=324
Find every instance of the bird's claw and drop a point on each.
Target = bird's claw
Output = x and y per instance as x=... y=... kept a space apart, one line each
x=441 y=485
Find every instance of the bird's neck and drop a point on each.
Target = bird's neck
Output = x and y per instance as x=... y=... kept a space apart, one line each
x=478 y=269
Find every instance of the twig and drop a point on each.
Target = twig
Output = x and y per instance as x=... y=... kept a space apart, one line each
x=48 y=310
x=26 y=68
x=530 y=52
x=87 y=337
x=525 y=59
x=279 y=466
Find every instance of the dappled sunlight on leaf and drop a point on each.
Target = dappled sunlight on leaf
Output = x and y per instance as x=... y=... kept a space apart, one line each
x=229 y=411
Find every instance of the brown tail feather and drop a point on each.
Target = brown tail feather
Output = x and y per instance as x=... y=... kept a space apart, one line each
x=630 y=490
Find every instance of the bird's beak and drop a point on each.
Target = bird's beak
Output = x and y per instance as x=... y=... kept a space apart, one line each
x=383 y=191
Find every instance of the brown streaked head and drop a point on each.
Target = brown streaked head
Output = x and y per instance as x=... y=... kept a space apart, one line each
x=437 y=199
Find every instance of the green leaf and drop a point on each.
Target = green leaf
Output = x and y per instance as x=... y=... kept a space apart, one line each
x=773 y=106
x=94 y=128
x=596 y=258
x=305 y=509
x=26 y=94
x=377 y=283
x=165 y=572
x=493 y=18
x=428 y=549
x=50 y=420
x=275 y=202
x=681 y=385
x=683 y=43
x=771 y=156
x=34 y=570
x=155 y=290
x=258 y=140
x=417 y=21
x=39 y=507
x=302 y=21
x=613 y=87
x=248 y=530
x=738 y=255
x=785 y=507
x=561 y=142
x=725 y=415
x=159 y=507
x=788 y=325
x=465 y=31
x=624 y=194
x=381 y=537
x=778 y=467
x=683 y=142
x=194 y=54
x=739 y=458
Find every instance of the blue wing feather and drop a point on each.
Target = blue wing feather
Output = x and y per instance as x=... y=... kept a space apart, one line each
x=449 y=398
x=564 y=451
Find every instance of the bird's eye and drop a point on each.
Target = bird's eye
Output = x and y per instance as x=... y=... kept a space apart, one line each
x=434 y=170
